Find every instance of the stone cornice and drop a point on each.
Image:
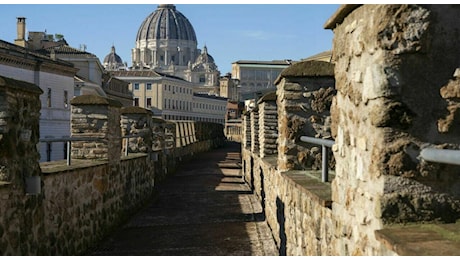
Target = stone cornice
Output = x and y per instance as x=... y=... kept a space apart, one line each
x=19 y=57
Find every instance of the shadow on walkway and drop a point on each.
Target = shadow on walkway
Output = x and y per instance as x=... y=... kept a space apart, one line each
x=203 y=209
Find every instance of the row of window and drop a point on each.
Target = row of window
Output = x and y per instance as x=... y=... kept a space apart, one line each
x=181 y=105
x=148 y=86
x=173 y=89
x=177 y=104
x=148 y=102
x=176 y=89
x=49 y=95
x=269 y=75
x=193 y=118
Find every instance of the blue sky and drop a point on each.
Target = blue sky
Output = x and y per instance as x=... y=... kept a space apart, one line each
x=231 y=32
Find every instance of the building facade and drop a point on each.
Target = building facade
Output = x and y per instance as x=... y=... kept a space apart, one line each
x=257 y=77
x=56 y=79
x=229 y=87
x=172 y=98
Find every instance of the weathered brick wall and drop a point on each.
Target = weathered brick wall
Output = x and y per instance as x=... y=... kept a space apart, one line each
x=391 y=62
x=268 y=125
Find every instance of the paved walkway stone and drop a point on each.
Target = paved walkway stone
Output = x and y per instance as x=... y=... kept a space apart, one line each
x=204 y=209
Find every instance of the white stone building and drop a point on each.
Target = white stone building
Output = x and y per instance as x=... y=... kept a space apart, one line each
x=56 y=79
x=172 y=98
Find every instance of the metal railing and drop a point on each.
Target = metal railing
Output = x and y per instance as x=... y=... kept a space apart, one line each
x=325 y=145
x=428 y=154
x=69 y=141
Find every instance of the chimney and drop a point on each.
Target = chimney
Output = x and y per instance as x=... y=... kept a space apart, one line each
x=21 y=30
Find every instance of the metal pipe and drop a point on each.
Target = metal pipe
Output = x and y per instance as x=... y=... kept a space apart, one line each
x=318 y=141
x=126 y=146
x=324 y=166
x=324 y=153
x=441 y=155
x=68 y=153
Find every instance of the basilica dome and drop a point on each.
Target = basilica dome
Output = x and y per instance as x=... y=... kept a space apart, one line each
x=112 y=61
x=166 y=23
x=166 y=43
x=204 y=61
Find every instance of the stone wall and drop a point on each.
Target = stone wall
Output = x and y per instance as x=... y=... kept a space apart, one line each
x=396 y=76
x=71 y=207
x=138 y=121
x=96 y=117
x=21 y=212
x=391 y=63
x=304 y=92
x=397 y=90
x=300 y=220
x=246 y=130
x=254 y=116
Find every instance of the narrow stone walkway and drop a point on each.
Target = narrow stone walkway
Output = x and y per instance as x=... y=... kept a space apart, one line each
x=205 y=209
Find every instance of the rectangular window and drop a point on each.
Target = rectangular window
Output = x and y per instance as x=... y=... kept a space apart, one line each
x=66 y=99
x=48 y=98
x=136 y=86
x=65 y=149
x=136 y=102
x=48 y=151
x=149 y=102
x=149 y=86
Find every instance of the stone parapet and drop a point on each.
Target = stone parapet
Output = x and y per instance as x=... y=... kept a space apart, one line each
x=21 y=194
x=97 y=117
x=392 y=64
x=304 y=96
x=137 y=121
x=246 y=130
x=254 y=115
x=268 y=125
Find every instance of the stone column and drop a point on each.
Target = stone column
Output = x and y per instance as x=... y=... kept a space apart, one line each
x=390 y=63
x=96 y=117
